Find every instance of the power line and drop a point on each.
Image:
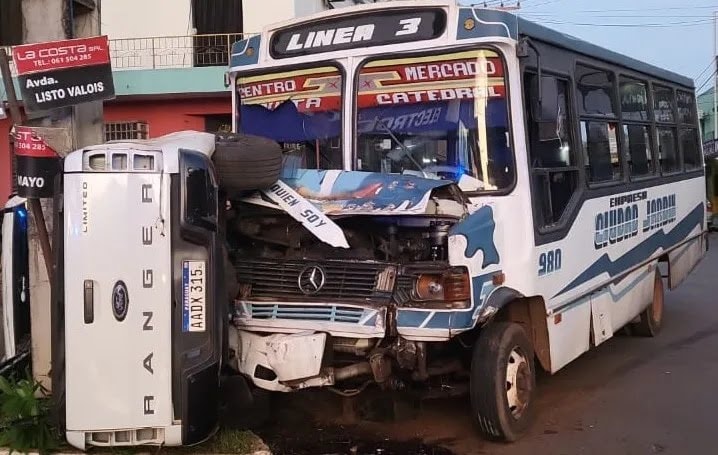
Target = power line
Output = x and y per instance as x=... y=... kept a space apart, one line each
x=699 y=90
x=666 y=24
x=710 y=64
x=667 y=8
x=547 y=2
x=710 y=78
x=642 y=16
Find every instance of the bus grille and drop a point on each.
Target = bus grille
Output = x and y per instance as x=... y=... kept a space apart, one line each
x=344 y=280
x=332 y=313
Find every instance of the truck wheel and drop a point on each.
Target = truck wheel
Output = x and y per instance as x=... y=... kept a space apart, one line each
x=244 y=162
x=651 y=319
x=503 y=381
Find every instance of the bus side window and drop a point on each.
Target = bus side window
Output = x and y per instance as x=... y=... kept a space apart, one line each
x=554 y=174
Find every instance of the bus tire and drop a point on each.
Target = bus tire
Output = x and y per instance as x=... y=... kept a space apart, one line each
x=503 y=382
x=651 y=319
x=244 y=162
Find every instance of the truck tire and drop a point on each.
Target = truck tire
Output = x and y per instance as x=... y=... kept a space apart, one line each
x=244 y=162
x=651 y=319
x=503 y=382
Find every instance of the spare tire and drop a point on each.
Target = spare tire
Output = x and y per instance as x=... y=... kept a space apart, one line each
x=245 y=162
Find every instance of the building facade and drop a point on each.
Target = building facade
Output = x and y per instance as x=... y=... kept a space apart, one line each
x=169 y=58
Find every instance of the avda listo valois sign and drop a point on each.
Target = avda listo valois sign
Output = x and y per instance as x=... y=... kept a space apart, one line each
x=64 y=73
x=37 y=163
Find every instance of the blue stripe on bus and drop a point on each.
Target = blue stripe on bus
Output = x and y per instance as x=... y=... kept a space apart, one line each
x=443 y=319
x=240 y=57
x=640 y=252
x=490 y=23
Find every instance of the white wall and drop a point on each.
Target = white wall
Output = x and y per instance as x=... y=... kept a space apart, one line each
x=131 y=22
x=307 y=7
x=144 y=18
x=260 y=13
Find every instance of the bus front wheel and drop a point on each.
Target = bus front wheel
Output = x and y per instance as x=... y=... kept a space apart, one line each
x=503 y=381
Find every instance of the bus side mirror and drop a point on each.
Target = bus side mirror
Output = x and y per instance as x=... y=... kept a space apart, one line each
x=544 y=99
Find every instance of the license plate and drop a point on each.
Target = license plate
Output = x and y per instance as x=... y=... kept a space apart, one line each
x=194 y=296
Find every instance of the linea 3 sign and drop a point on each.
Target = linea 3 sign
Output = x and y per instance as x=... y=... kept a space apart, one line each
x=59 y=74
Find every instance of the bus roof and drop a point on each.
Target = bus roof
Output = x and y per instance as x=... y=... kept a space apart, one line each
x=472 y=23
x=502 y=23
x=542 y=33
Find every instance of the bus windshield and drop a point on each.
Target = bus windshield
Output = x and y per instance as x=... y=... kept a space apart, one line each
x=436 y=116
x=300 y=109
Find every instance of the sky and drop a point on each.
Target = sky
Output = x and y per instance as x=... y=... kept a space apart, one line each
x=673 y=34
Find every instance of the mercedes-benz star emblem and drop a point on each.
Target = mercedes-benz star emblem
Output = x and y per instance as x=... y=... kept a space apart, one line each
x=311 y=279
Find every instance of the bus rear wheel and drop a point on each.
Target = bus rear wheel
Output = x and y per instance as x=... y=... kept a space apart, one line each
x=651 y=319
x=503 y=382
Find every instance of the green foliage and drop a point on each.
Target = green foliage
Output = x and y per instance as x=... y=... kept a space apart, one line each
x=25 y=422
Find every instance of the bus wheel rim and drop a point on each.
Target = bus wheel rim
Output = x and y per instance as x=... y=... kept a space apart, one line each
x=518 y=382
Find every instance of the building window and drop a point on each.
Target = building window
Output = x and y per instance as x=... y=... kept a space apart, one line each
x=123 y=131
x=11 y=22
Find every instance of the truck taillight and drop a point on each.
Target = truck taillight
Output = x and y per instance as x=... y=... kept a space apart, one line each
x=121 y=161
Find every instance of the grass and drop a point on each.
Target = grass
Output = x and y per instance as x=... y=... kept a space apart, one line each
x=231 y=441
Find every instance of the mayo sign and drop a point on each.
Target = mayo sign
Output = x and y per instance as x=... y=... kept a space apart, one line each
x=64 y=73
x=37 y=163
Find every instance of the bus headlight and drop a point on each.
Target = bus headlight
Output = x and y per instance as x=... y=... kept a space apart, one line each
x=452 y=286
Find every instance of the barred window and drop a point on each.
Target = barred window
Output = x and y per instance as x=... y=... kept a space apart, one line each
x=123 y=131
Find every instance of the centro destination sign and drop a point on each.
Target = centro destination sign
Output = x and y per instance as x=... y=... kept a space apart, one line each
x=360 y=30
x=64 y=73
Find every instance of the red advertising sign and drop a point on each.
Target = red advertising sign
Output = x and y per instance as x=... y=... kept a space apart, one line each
x=27 y=143
x=37 y=163
x=57 y=55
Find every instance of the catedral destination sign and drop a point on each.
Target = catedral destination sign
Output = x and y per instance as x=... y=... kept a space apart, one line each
x=64 y=73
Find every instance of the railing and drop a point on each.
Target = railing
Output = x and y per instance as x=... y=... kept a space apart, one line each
x=169 y=51
x=172 y=51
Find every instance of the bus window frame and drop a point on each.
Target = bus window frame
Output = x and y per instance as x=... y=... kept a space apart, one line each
x=561 y=61
x=650 y=123
x=680 y=126
x=674 y=125
x=572 y=116
x=336 y=63
x=617 y=119
x=429 y=53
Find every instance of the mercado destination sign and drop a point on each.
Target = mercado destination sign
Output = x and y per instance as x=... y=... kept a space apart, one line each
x=359 y=30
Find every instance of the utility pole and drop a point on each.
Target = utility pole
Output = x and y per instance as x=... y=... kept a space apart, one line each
x=54 y=20
x=715 y=79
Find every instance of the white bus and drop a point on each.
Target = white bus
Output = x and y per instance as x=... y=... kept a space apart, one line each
x=465 y=197
x=507 y=194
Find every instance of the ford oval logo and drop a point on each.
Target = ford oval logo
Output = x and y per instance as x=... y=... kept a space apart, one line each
x=120 y=301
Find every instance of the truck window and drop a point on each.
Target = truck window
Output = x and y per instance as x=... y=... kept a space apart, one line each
x=200 y=191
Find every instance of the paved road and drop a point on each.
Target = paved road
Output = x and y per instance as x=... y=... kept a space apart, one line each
x=628 y=396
